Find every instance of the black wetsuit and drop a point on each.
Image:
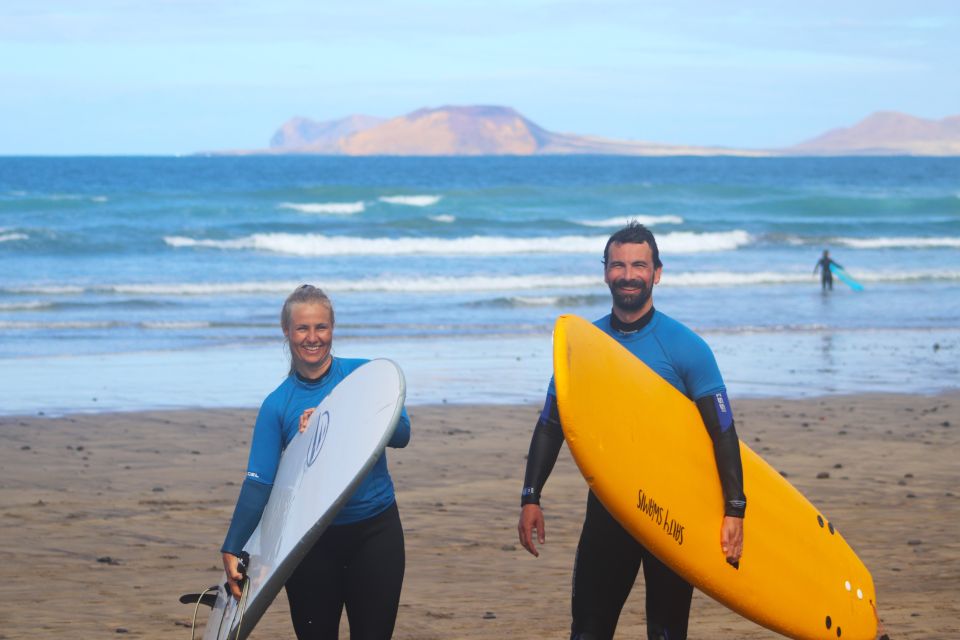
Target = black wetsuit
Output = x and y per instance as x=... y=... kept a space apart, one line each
x=826 y=275
x=608 y=558
x=359 y=566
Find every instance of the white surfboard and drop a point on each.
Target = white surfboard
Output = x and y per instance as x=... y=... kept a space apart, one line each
x=319 y=471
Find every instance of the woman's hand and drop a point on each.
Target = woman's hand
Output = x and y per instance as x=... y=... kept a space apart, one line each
x=231 y=564
x=305 y=419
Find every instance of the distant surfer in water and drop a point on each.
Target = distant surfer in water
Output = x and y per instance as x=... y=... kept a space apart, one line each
x=826 y=275
x=358 y=562
x=608 y=558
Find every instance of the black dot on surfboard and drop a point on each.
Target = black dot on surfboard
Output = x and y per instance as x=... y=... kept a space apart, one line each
x=838 y=632
x=829 y=622
x=820 y=521
x=830 y=526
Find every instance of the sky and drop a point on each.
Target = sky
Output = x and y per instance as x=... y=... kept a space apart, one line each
x=160 y=77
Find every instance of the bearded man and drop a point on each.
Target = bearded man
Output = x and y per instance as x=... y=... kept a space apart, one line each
x=608 y=558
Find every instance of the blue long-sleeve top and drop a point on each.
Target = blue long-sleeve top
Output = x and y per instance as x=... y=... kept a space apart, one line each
x=277 y=423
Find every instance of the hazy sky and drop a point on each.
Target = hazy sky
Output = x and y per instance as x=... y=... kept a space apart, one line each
x=178 y=76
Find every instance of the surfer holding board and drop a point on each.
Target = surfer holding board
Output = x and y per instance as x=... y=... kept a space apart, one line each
x=608 y=557
x=358 y=561
x=828 y=267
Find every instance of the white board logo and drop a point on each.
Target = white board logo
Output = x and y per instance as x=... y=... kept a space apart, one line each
x=319 y=436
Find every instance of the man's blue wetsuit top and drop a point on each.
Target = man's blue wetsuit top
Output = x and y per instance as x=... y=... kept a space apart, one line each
x=683 y=359
x=277 y=423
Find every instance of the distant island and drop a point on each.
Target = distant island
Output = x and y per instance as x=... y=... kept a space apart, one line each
x=496 y=130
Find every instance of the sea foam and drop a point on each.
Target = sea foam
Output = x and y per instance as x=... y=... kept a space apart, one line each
x=732 y=278
x=319 y=245
x=427 y=284
x=622 y=221
x=411 y=201
x=898 y=243
x=24 y=306
x=329 y=208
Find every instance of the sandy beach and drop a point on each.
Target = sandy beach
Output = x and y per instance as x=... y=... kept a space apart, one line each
x=108 y=518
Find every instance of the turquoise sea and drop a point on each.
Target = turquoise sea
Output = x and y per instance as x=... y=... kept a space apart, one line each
x=134 y=283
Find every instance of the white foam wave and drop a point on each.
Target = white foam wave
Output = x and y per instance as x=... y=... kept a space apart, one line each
x=622 y=221
x=729 y=278
x=57 y=325
x=445 y=218
x=530 y=301
x=411 y=201
x=24 y=306
x=906 y=242
x=310 y=245
x=50 y=290
x=424 y=284
x=329 y=208
x=690 y=242
x=906 y=276
x=10 y=237
x=198 y=289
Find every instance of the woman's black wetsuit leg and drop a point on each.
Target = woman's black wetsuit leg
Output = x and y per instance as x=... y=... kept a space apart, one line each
x=358 y=565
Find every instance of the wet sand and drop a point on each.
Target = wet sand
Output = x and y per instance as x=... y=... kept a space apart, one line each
x=108 y=518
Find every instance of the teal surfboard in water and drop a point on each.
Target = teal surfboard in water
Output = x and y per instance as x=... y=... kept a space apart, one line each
x=846 y=277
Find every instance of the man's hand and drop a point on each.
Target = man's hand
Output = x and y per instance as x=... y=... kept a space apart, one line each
x=731 y=539
x=231 y=565
x=531 y=519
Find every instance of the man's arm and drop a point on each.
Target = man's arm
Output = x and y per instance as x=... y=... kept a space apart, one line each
x=718 y=419
x=544 y=449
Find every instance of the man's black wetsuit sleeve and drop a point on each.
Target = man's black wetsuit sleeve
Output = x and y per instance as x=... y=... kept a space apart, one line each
x=544 y=449
x=718 y=418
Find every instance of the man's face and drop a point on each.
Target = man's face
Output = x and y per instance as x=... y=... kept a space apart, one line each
x=630 y=274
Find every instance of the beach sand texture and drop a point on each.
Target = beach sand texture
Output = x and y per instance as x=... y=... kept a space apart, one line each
x=108 y=518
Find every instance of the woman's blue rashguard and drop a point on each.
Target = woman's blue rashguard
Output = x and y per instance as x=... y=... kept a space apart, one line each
x=277 y=423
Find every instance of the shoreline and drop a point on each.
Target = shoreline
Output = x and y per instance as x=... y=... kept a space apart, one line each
x=491 y=370
x=111 y=516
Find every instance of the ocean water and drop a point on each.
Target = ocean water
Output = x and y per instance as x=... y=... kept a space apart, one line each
x=129 y=283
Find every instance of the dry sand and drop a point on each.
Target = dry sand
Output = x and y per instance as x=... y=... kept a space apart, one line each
x=107 y=518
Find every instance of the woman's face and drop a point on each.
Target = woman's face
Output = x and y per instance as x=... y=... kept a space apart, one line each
x=310 y=335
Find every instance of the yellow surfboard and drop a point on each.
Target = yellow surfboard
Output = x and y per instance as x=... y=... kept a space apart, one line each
x=644 y=451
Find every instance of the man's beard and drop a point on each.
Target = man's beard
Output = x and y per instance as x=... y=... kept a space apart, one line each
x=629 y=301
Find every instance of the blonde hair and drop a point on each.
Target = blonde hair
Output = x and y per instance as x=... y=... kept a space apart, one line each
x=304 y=294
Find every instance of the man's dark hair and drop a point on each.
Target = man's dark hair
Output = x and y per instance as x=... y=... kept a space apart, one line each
x=634 y=233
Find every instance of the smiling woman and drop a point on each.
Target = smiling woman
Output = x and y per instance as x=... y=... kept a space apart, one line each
x=307 y=320
x=358 y=562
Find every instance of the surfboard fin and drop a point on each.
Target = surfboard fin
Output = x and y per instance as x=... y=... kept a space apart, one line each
x=733 y=563
x=208 y=597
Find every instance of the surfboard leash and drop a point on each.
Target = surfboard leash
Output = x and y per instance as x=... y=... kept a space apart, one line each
x=244 y=590
x=241 y=606
x=881 y=632
x=193 y=624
